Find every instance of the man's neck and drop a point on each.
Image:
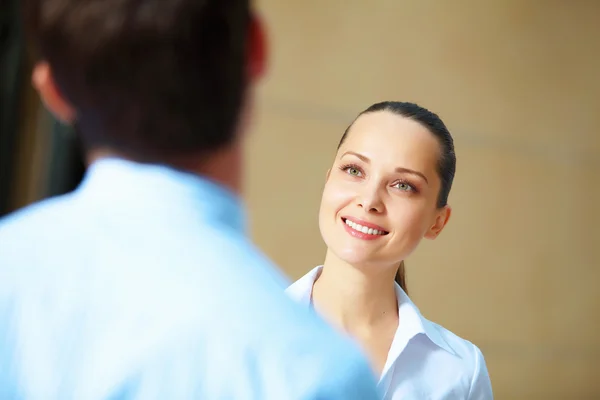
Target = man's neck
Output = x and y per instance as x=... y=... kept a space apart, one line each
x=223 y=166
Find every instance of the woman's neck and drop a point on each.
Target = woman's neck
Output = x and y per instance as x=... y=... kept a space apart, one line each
x=354 y=299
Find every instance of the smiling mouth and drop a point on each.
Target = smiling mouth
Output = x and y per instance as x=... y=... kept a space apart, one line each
x=364 y=229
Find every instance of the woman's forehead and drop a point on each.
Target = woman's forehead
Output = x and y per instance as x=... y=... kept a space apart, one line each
x=386 y=135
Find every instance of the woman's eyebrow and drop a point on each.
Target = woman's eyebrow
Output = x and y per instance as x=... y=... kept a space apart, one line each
x=399 y=169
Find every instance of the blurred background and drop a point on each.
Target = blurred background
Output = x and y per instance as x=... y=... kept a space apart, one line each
x=517 y=82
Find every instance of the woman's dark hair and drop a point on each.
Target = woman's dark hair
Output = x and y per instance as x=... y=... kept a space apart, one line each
x=446 y=164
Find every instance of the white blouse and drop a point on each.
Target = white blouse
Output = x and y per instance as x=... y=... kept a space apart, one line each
x=425 y=360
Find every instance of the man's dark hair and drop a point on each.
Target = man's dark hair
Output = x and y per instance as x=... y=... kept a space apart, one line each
x=150 y=79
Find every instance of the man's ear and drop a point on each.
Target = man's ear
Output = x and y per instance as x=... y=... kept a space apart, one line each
x=257 y=49
x=43 y=82
x=440 y=221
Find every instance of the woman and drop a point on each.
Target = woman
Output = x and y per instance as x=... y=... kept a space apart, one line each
x=388 y=189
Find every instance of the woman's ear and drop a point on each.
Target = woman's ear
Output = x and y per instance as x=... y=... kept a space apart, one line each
x=441 y=219
x=43 y=82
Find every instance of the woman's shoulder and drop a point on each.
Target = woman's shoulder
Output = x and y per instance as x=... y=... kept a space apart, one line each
x=463 y=349
x=460 y=346
x=469 y=357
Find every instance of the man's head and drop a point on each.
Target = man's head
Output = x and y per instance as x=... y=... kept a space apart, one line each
x=151 y=80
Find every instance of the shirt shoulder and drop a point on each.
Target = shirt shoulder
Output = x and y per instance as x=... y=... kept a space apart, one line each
x=47 y=211
x=24 y=232
x=472 y=362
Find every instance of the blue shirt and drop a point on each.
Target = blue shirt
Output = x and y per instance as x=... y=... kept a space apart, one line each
x=142 y=284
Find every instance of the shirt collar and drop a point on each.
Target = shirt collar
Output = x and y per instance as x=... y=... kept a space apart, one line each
x=412 y=323
x=129 y=187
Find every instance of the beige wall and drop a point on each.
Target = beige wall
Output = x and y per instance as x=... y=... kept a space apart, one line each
x=517 y=269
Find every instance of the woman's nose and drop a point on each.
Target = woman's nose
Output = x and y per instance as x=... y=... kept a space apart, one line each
x=371 y=201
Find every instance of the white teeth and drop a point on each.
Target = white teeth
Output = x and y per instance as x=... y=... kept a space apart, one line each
x=363 y=229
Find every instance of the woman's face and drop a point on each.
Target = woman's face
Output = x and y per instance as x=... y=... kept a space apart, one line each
x=380 y=195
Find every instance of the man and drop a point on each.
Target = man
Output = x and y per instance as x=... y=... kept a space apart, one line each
x=142 y=283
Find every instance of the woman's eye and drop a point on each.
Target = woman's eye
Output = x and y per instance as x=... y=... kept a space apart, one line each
x=353 y=171
x=403 y=186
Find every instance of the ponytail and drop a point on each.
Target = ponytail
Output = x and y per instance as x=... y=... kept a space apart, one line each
x=401 y=277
